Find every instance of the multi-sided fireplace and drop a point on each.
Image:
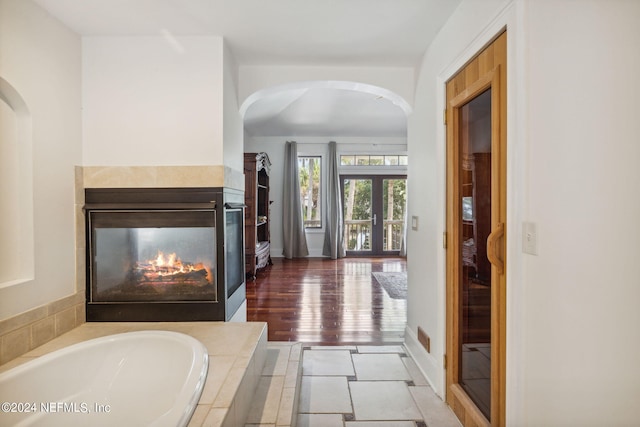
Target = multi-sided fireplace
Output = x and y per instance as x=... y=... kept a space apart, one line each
x=169 y=254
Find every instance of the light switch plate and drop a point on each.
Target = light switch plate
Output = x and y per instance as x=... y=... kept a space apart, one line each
x=414 y=222
x=530 y=238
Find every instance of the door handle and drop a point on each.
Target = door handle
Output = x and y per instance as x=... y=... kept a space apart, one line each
x=375 y=219
x=492 y=248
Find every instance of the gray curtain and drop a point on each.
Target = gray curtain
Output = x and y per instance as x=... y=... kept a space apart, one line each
x=295 y=240
x=333 y=224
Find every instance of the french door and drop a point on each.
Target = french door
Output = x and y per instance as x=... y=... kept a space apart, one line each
x=476 y=218
x=373 y=212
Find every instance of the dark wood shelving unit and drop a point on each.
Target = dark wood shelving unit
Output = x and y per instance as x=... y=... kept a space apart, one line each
x=257 y=221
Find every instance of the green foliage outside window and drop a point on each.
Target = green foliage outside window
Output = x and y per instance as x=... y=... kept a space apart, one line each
x=309 y=175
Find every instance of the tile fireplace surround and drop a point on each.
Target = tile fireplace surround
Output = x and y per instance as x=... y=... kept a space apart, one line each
x=26 y=331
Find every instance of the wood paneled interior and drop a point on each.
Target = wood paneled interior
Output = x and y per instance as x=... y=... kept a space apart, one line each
x=488 y=69
x=328 y=302
x=482 y=209
x=476 y=305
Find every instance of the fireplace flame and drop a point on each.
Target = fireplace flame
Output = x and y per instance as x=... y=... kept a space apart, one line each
x=169 y=265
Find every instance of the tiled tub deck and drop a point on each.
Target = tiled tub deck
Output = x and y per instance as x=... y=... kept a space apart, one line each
x=237 y=355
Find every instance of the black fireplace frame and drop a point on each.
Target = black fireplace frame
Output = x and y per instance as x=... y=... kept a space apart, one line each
x=230 y=296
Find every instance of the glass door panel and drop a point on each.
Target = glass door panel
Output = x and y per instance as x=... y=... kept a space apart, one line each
x=475 y=226
x=358 y=219
x=394 y=196
x=374 y=208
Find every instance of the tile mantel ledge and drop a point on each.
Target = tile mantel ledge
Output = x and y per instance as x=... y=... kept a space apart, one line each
x=160 y=176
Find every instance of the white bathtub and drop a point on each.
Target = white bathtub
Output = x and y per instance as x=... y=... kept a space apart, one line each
x=146 y=378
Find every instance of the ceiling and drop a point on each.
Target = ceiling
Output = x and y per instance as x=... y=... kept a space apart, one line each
x=327 y=109
x=381 y=33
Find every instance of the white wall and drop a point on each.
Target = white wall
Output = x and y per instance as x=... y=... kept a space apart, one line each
x=583 y=181
x=233 y=126
x=572 y=341
x=40 y=60
x=310 y=146
x=153 y=100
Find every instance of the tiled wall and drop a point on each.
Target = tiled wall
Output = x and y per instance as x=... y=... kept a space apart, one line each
x=26 y=331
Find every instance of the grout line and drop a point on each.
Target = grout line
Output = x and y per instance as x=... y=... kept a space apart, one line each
x=346 y=417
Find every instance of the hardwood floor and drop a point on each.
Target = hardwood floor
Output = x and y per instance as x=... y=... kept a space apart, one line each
x=327 y=302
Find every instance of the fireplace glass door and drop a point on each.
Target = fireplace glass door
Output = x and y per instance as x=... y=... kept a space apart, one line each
x=141 y=256
x=234 y=249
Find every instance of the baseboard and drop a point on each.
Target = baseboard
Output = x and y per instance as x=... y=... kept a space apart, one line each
x=429 y=365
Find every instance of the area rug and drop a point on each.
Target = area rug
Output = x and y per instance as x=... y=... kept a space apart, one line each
x=394 y=283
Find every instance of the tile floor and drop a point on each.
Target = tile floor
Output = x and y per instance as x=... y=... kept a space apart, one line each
x=367 y=386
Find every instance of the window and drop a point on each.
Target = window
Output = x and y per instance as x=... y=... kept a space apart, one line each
x=310 y=182
x=373 y=160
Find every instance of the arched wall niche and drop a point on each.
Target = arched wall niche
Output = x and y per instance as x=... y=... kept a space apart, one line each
x=16 y=188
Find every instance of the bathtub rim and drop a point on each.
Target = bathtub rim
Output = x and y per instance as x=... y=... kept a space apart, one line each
x=200 y=352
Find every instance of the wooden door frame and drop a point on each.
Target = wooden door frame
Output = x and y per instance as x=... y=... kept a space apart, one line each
x=456 y=397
